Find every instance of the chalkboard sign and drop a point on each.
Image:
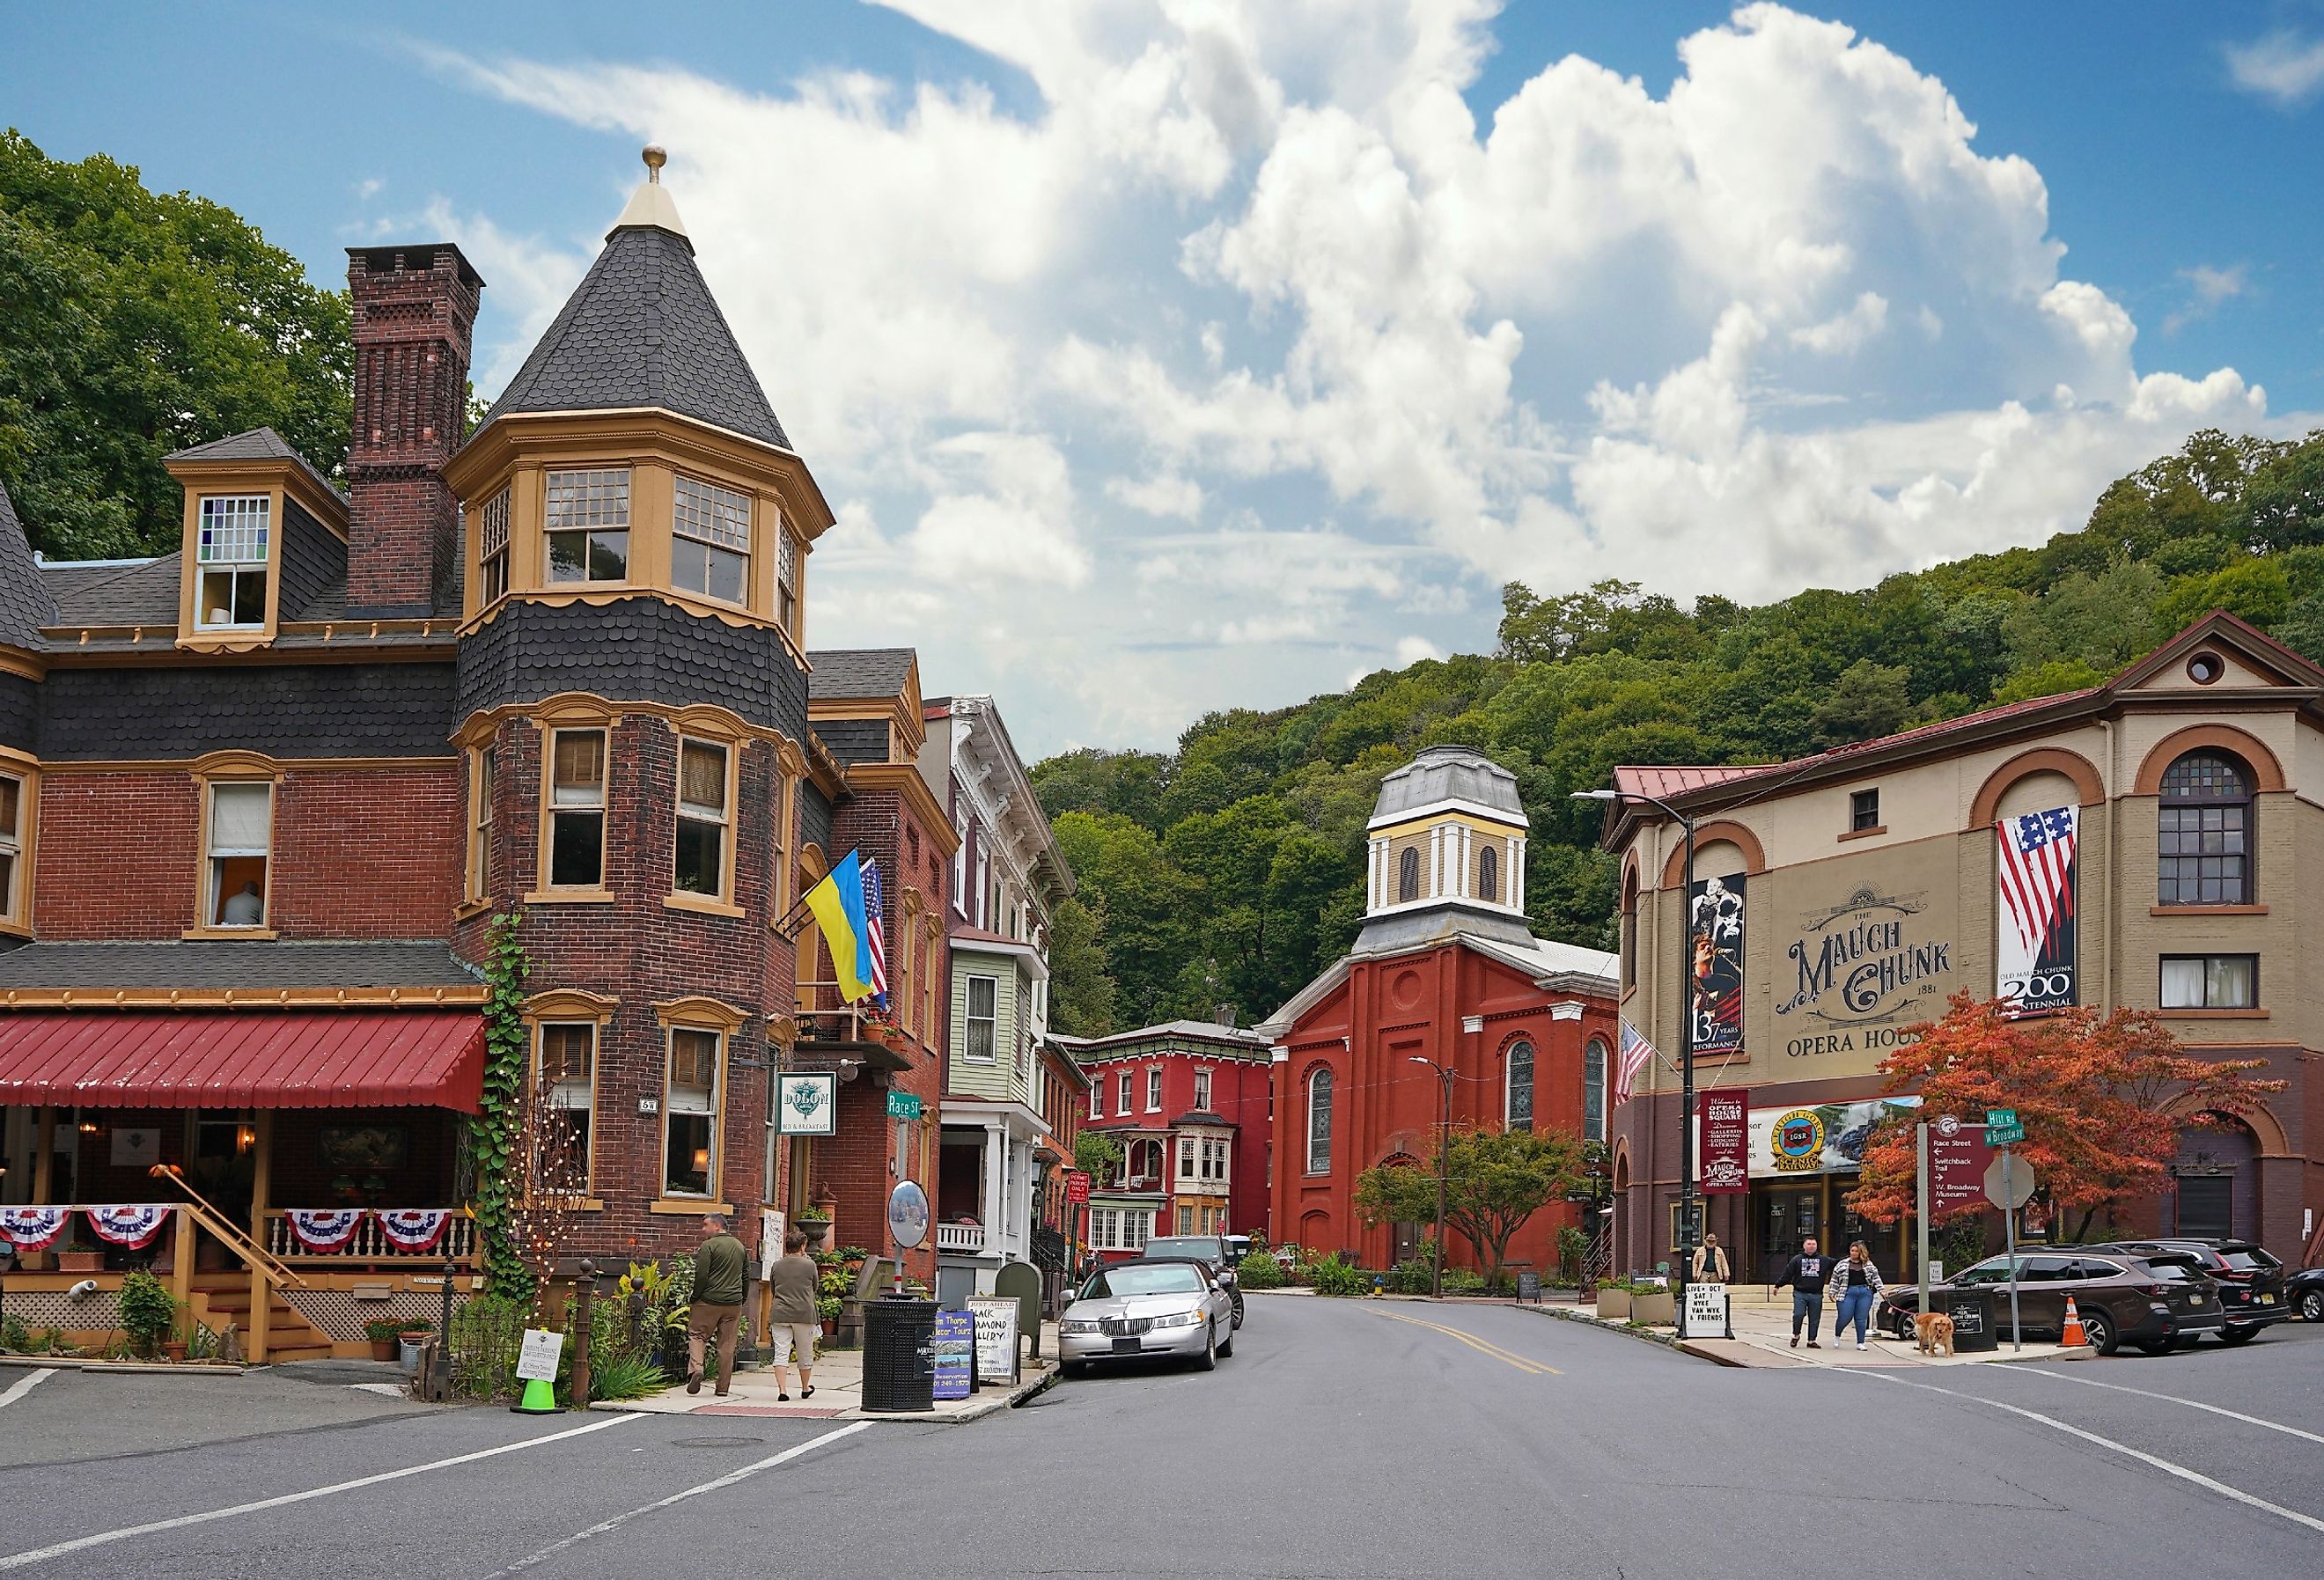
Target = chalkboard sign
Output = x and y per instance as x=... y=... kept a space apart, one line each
x=996 y=1338
x=952 y=1349
x=1530 y=1287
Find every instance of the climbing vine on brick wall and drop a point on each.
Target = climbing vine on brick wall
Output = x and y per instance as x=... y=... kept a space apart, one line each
x=494 y=1128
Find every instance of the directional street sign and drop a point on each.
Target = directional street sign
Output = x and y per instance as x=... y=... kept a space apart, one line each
x=2008 y=1182
x=2001 y=1127
x=903 y=1104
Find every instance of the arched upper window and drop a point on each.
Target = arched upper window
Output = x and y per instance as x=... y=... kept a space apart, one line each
x=2203 y=832
x=1629 y=926
x=1488 y=874
x=1319 y=1122
x=1407 y=875
x=1593 y=1091
x=1518 y=1105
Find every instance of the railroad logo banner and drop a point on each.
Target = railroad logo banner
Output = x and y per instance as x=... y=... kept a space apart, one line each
x=2034 y=955
x=1714 y=936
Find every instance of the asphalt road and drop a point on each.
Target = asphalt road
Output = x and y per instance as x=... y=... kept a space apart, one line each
x=1343 y=1438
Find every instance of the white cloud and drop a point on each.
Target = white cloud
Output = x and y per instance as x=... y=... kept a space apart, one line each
x=1254 y=340
x=2283 y=67
x=2208 y=288
x=1411 y=650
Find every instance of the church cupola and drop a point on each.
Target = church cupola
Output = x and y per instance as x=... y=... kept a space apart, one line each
x=1448 y=835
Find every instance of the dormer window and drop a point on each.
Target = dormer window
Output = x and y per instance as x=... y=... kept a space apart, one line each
x=230 y=553
x=710 y=548
x=587 y=526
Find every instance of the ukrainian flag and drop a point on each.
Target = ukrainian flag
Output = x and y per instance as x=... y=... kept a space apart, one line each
x=838 y=905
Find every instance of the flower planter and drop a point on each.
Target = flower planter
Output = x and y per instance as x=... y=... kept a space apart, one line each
x=383 y=1349
x=173 y=1350
x=816 y=1230
x=1613 y=1302
x=80 y=1262
x=1659 y=1309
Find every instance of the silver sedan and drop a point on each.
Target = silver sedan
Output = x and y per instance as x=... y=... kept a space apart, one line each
x=1143 y=1310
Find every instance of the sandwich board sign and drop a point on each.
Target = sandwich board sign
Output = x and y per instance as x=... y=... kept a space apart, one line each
x=996 y=1337
x=1705 y=1314
x=954 y=1351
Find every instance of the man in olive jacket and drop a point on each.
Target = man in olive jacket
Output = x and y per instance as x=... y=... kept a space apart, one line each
x=722 y=1276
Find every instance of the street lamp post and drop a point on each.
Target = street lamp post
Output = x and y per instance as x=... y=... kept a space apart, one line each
x=1687 y=1231
x=1444 y=1144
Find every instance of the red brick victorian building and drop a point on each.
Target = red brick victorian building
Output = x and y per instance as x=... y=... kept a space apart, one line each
x=261 y=797
x=1445 y=970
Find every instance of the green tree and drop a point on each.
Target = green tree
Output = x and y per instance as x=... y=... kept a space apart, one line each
x=1494 y=1181
x=1097 y=1154
x=139 y=323
x=1081 y=989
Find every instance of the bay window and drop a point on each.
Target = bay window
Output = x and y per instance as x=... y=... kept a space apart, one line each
x=587 y=526
x=702 y=818
x=577 y=809
x=710 y=540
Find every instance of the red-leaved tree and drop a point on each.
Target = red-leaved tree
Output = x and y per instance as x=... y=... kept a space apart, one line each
x=2102 y=1098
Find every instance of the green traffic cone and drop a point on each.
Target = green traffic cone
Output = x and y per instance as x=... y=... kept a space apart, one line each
x=540 y=1399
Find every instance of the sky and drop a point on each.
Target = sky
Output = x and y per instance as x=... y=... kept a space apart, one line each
x=1165 y=355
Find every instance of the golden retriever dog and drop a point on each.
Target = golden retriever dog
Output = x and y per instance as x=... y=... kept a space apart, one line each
x=1934 y=1330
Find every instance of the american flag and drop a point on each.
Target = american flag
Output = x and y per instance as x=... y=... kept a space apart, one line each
x=871 y=909
x=1636 y=1052
x=2037 y=874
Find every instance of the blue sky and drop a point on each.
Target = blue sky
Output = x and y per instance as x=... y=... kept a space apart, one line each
x=1168 y=355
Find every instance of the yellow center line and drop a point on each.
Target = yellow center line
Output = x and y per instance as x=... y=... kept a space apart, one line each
x=1482 y=1346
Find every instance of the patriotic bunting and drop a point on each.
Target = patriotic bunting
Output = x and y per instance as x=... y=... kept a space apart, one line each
x=324 y=1229
x=414 y=1230
x=32 y=1228
x=132 y=1228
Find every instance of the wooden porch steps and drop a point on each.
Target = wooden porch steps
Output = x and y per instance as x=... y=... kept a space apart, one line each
x=290 y=1336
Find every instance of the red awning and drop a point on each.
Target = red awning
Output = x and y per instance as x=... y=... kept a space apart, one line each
x=239 y=1058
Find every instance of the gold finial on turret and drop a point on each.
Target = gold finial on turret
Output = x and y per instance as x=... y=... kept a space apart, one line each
x=656 y=156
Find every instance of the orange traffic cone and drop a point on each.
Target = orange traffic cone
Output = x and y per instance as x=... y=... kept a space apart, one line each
x=2073 y=1334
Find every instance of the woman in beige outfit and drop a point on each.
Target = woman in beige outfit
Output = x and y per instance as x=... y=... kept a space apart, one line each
x=793 y=1284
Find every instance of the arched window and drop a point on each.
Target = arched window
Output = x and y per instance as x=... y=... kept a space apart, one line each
x=1629 y=926
x=1319 y=1122
x=1407 y=875
x=1488 y=874
x=1517 y=1109
x=2204 y=832
x=1593 y=1091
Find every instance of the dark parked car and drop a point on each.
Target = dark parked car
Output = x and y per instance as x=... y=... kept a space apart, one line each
x=2304 y=1291
x=2121 y=1299
x=1210 y=1250
x=2250 y=1281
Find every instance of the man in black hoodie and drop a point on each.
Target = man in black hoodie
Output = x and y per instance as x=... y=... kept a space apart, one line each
x=1806 y=1273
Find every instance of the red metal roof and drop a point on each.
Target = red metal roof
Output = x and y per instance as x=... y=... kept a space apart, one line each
x=322 y=1058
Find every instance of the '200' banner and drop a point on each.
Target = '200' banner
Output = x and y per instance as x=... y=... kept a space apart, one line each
x=2034 y=953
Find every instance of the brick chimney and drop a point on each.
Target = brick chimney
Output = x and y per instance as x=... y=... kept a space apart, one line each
x=414 y=308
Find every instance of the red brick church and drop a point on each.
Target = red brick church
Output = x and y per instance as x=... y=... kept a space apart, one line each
x=1445 y=970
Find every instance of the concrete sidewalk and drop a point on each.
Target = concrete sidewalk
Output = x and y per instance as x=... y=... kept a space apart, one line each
x=838 y=1392
x=1763 y=1338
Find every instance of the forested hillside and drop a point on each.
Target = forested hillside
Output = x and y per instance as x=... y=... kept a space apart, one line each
x=1230 y=870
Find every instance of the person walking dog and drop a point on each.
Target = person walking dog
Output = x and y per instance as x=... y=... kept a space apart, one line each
x=1806 y=1273
x=1855 y=1286
x=722 y=1276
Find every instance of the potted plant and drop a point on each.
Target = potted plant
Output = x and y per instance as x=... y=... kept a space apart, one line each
x=1654 y=1304
x=1614 y=1299
x=80 y=1257
x=815 y=1224
x=148 y=1313
x=385 y=1334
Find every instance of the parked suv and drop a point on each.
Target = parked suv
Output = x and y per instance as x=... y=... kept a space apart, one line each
x=1210 y=1250
x=2121 y=1299
x=2304 y=1291
x=2250 y=1281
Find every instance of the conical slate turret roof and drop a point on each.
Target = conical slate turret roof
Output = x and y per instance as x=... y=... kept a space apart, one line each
x=642 y=330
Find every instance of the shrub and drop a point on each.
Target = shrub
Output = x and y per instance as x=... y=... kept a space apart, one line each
x=381 y=1330
x=624 y=1376
x=1259 y=1270
x=147 y=1311
x=1333 y=1275
x=13 y=1335
x=1573 y=1249
x=1461 y=1281
x=1415 y=1275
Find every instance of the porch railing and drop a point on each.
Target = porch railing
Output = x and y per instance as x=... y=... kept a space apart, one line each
x=369 y=1242
x=960 y=1236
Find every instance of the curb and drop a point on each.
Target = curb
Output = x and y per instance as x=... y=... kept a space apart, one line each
x=1670 y=1343
x=118 y=1368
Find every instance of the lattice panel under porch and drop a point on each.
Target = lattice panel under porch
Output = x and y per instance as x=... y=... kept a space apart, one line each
x=37 y=1309
x=341 y=1317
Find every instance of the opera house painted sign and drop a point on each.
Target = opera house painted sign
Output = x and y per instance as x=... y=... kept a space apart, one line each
x=1856 y=970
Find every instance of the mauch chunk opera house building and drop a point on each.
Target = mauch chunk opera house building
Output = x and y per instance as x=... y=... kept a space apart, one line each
x=261 y=797
x=2153 y=843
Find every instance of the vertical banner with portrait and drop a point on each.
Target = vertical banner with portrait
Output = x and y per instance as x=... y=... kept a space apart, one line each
x=1714 y=936
x=2033 y=948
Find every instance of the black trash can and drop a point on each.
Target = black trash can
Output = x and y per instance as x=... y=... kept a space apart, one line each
x=899 y=1372
x=1978 y=1317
